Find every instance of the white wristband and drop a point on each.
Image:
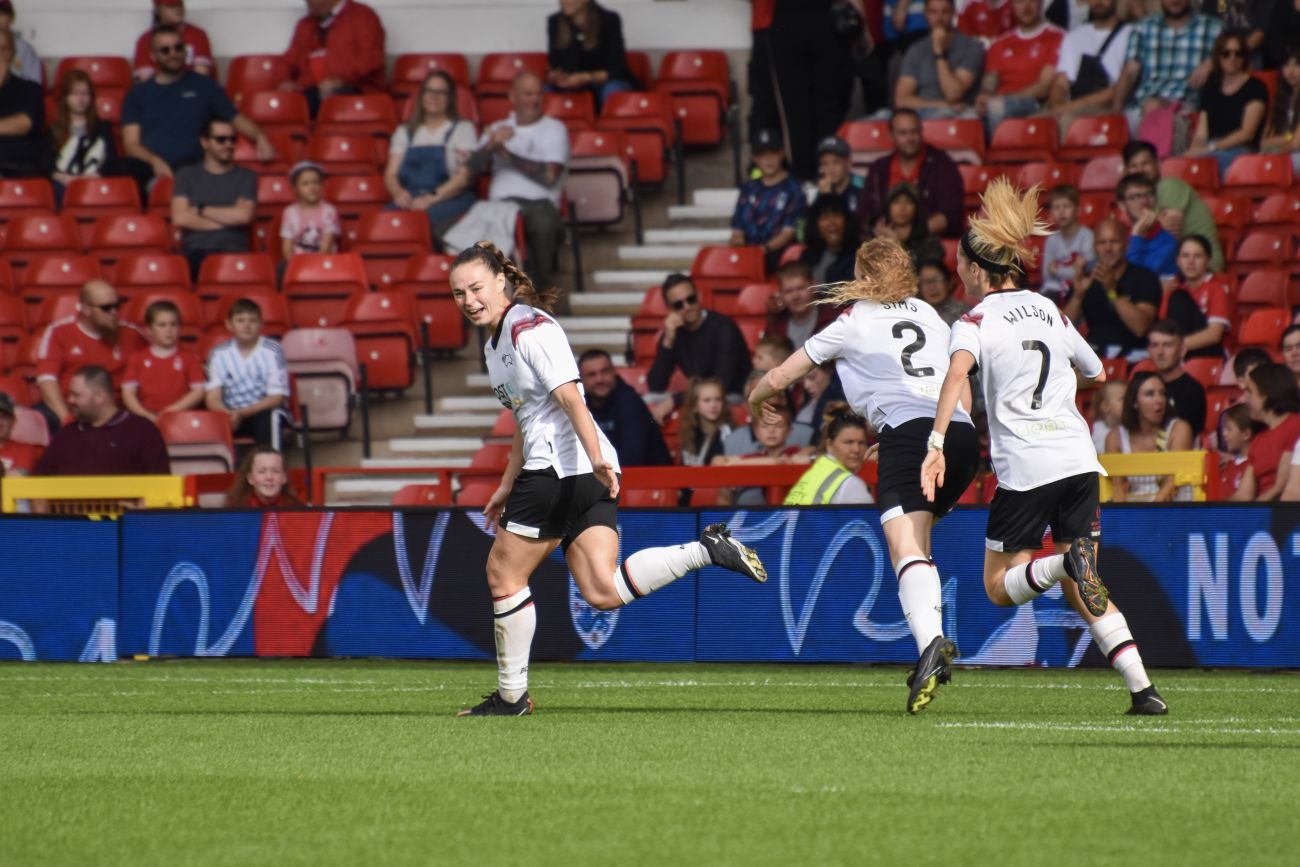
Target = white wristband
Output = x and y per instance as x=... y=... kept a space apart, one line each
x=935 y=441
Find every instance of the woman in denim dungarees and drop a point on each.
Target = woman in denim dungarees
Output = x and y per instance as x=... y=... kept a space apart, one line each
x=428 y=175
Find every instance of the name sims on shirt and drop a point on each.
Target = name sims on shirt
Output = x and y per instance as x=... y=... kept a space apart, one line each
x=899 y=305
x=1024 y=312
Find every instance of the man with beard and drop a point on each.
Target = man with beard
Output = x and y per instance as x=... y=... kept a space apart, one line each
x=214 y=201
x=1118 y=300
x=104 y=440
x=92 y=337
x=1178 y=207
x=621 y=413
x=930 y=170
x=1167 y=62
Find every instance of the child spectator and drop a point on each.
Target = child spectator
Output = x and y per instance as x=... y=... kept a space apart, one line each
x=261 y=482
x=770 y=206
x=771 y=351
x=1107 y=411
x=705 y=421
x=309 y=225
x=773 y=448
x=1068 y=252
x=1237 y=432
x=162 y=377
x=248 y=379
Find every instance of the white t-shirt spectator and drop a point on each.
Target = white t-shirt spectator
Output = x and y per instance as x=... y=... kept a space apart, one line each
x=246 y=379
x=459 y=144
x=1088 y=39
x=546 y=141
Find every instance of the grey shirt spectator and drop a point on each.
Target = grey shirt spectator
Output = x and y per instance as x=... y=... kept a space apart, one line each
x=206 y=189
x=934 y=69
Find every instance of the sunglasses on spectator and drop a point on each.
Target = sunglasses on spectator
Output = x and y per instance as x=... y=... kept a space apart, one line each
x=170 y=49
x=683 y=303
x=1232 y=52
x=109 y=307
x=223 y=139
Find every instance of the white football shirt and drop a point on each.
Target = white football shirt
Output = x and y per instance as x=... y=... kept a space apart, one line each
x=891 y=357
x=527 y=359
x=1027 y=351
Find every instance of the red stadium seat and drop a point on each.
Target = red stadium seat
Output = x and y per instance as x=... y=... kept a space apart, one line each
x=1258 y=250
x=1095 y=207
x=1262 y=289
x=1021 y=139
x=1264 y=328
x=699 y=85
x=198 y=441
x=497 y=71
x=288 y=150
x=962 y=139
x=1259 y=175
x=1279 y=211
x=868 y=139
x=1116 y=369
x=635 y=376
x=232 y=274
x=476 y=491
x=275 y=313
x=1206 y=371
x=353 y=196
x=1200 y=173
x=383 y=326
x=138 y=273
x=25 y=196
x=56 y=274
x=597 y=183
x=975 y=180
x=29 y=235
x=1045 y=175
x=649 y=498
x=25 y=358
x=647 y=120
x=323 y=361
x=1217 y=400
x=56 y=305
x=122 y=234
x=347 y=153
x=1098 y=135
x=427 y=282
x=109 y=105
x=1229 y=212
x=281 y=112
x=577 y=111
x=160 y=198
x=719 y=271
x=370 y=114
x=274 y=194
x=392 y=234
x=638 y=62
x=30 y=427
x=255 y=73
x=503 y=429
x=753 y=299
x=426 y=495
x=317 y=286
x=491 y=457
x=88 y=199
x=410 y=70
x=186 y=302
x=106 y=72
x=1101 y=174
x=13 y=328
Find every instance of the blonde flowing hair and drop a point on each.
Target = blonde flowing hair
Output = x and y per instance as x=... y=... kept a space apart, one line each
x=998 y=235
x=884 y=272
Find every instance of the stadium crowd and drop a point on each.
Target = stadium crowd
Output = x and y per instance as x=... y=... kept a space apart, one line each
x=1165 y=137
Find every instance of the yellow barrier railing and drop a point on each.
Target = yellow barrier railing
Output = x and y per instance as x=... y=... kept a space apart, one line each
x=95 y=496
x=1199 y=470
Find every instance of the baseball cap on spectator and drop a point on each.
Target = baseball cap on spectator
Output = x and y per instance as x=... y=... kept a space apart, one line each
x=6 y=402
x=833 y=144
x=765 y=140
x=304 y=166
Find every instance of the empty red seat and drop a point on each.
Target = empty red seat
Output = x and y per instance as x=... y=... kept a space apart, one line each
x=23 y=196
x=962 y=139
x=649 y=498
x=1020 y=139
x=383 y=326
x=427 y=281
x=1206 y=371
x=56 y=273
x=719 y=271
x=426 y=495
x=1095 y=207
x=1280 y=211
x=232 y=274
x=392 y=233
x=347 y=153
x=497 y=71
x=1264 y=328
x=597 y=183
x=88 y=199
x=109 y=105
x=1262 y=288
x=288 y=150
x=255 y=73
x=1101 y=174
x=475 y=491
x=106 y=72
x=975 y=180
x=1088 y=137
x=1046 y=176
x=31 y=234
x=118 y=235
x=357 y=113
x=323 y=361
x=140 y=272
x=56 y=305
x=647 y=120
x=160 y=198
x=317 y=286
x=353 y=196
x=699 y=85
x=1217 y=400
x=1200 y=173
x=1258 y=175
x=13 y=328
x=1229 y=212
x=198 y=441
x=868 y=139
x=278 y=111
x=274 y=194
x=1260 y=249
x=577 y=111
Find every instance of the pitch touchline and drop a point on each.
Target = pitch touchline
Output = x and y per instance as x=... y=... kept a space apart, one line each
x=1097 y=727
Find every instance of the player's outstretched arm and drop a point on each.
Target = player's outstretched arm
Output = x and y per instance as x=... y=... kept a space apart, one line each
x=955 y=385
x=776 y=381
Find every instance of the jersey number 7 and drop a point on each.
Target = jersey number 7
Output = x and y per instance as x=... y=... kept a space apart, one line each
x=1039 y=346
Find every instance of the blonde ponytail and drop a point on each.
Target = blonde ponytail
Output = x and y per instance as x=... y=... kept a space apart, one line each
x=997 y=240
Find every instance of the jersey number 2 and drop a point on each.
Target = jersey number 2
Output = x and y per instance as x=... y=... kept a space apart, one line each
x=1039 y=346
x=915 y=346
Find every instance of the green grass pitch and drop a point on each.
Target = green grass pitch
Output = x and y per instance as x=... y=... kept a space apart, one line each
x=361 y=762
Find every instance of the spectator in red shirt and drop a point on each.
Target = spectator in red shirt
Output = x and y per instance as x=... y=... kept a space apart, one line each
x=930 y=170
x=1273 y=400
x=93 y=336
x=261 y=482
x=1202 y=303
x=105 y=440
x=18 y=458
x=337 y=47
x=1019 y=67
x=198 y=53
x=1238 y=430
x=162 y=377
x=986 y=20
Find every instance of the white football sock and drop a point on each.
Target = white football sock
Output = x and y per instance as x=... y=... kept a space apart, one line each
x=516 y=621
x=649 y=569
x=1028 y=581
x=921 y=598
x=1113 y=639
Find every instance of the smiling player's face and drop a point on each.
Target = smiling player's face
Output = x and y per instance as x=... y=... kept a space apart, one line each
x=479 y=293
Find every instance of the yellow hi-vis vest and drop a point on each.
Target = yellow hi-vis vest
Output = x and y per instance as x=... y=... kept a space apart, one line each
x=818 y=486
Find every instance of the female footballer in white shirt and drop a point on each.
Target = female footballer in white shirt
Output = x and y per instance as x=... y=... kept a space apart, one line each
x=1027 y=353
x=560 y=486
x=891 y=352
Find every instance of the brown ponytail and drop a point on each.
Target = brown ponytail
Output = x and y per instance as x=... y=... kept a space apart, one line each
x=486 y=253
